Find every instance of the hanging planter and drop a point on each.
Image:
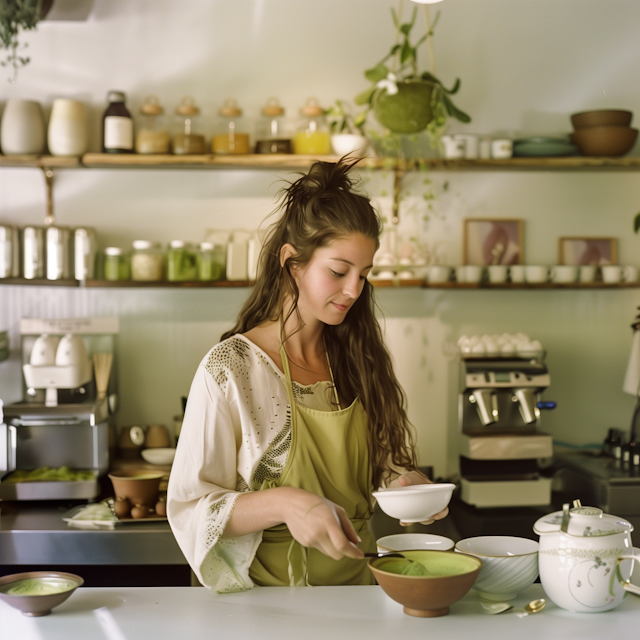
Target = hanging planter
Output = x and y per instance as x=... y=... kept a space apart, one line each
x=402 y=99
x=17 y=16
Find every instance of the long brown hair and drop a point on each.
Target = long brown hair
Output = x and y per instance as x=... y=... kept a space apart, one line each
x=317 y=209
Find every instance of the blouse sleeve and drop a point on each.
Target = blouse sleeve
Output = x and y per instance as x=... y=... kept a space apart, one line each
x=203 y=490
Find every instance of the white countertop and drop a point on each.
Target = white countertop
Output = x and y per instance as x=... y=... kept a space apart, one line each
x=322 y=613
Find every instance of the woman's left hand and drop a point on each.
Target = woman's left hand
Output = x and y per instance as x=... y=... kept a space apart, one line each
x=415 y=477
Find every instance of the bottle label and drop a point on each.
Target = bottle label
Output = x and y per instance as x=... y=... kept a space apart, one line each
x=118 y=133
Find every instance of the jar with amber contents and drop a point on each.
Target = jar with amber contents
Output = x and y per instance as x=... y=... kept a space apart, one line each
x=312 y=134
x=188 y=137
x=152 y=128
x=272 y=129
x=230 y=131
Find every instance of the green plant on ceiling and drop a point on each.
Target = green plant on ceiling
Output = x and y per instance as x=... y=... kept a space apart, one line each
x=17 y=16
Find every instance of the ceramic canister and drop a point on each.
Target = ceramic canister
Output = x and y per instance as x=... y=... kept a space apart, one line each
x=68 y=128
x=22 y=128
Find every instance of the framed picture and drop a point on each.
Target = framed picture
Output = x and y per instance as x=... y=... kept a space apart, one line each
x=493 y=241
x=587 y=251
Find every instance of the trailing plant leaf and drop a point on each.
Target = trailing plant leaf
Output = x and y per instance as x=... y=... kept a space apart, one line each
x=16 y=16
x=636 y=223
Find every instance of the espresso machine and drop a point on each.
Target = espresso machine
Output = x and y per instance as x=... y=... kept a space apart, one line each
x=64 y=426
x=500 y=441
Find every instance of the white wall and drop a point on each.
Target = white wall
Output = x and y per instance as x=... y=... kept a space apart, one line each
x=525 y=66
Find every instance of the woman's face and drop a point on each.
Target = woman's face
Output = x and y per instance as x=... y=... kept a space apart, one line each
x=334 y=278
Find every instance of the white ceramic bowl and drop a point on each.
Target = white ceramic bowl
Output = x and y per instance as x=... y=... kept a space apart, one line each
x=415 y=503
x=159 y=455
x=412 y=541
x=509 y=564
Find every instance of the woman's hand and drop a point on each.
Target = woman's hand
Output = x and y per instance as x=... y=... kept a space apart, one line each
x=415 y=477
x=321 y=524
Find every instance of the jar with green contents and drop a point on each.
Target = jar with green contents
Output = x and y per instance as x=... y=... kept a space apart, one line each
x=147 y=261
x=211 y=261
x=181 y=262
x=116 y=265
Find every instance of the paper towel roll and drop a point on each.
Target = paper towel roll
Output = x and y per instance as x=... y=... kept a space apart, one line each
x=632 y=378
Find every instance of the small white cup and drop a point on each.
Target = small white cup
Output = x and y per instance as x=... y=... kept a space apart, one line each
x=588 y=272
x=497 y=273
x=470 y=144
x=536 y=273
x=502 y=148
x=439 y=273
x=516 y=272
x=565 y=273
x=484 y=148
x=612 y=273
x=452 y=148
x=469 y=273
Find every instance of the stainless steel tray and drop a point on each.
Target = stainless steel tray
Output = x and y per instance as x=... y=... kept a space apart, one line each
x=52 y=490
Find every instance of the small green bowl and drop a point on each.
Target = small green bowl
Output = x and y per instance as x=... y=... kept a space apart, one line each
x=450 y=576
x=36 y=593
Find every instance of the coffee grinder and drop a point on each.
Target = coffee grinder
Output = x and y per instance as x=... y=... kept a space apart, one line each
x=501 y=443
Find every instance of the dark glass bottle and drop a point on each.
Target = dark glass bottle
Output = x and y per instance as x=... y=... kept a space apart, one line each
x=117 y=125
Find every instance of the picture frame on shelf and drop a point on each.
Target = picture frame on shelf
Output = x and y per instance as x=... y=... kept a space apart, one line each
x=488 y=241
x=583 y=250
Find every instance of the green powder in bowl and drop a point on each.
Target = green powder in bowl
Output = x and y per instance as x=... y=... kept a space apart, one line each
x=39 y=587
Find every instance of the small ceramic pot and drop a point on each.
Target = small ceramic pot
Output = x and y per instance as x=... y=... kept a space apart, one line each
x=585 y=558
x=68 y=129
x=22 y=128
x=344 y=143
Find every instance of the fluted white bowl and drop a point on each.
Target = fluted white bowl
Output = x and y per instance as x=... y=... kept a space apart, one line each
x=509 y=564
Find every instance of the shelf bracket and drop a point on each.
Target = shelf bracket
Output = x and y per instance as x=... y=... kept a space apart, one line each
x=49 y=218
x=397 y=188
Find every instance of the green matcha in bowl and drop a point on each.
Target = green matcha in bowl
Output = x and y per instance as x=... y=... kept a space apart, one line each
x=426 y=582
x=36 y=593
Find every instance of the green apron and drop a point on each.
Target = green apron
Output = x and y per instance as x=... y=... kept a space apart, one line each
x=329 y=457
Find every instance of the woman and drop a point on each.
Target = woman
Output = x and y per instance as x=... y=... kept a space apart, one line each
x=296 y=416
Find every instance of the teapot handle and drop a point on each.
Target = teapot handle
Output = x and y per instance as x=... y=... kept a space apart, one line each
x=631 y=588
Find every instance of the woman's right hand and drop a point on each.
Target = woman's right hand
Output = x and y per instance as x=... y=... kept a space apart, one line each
x=320 y=524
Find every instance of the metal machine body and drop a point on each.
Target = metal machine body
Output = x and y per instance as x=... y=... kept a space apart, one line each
x=500 y=439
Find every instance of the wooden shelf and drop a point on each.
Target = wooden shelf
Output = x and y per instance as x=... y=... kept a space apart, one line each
x=396 y=282
x=293 y=161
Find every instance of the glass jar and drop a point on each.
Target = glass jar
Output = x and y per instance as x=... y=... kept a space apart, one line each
x=117 y=265
x=211 y=260
x=147 y=261
x=229 y=135
x=188 y=137
x=152 y=130
x=312 y=134
x=9 y=252
x=117 y=125
x=181 y=262
x=272 y=130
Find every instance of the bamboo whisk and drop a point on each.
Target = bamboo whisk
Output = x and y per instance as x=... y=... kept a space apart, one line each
x=102 y=369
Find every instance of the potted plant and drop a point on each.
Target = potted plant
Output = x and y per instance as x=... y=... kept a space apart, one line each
x=404 y=100
x=347 y=130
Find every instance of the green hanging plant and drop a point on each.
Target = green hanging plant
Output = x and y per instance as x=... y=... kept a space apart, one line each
x=17 y=16
x=403 y=99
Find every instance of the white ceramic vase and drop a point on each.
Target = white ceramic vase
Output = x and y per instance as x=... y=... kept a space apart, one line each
x=68 y=128
x=22 y=128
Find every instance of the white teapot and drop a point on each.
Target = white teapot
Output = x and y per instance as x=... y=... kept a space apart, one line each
x=585 y=558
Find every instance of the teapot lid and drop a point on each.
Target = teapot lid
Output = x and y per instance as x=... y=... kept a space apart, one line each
x=582 y=522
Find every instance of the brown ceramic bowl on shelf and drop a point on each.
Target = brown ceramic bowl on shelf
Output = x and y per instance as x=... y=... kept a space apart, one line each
x=35 y=593
x=604 y=141
x=137 y=492
x=446 y=577
x=601 y=118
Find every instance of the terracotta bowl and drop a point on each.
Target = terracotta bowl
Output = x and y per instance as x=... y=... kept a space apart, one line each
x=138 y=487
x=40 y=604
x=605 y=141
x=451 y=575
x=601 y=118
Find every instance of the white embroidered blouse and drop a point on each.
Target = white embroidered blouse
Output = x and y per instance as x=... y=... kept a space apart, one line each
x=236 y=434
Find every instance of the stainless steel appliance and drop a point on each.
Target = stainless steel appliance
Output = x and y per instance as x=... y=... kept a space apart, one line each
x=62 y=421
x=500 y=439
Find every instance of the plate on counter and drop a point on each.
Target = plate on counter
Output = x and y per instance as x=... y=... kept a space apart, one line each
x=539 y=146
